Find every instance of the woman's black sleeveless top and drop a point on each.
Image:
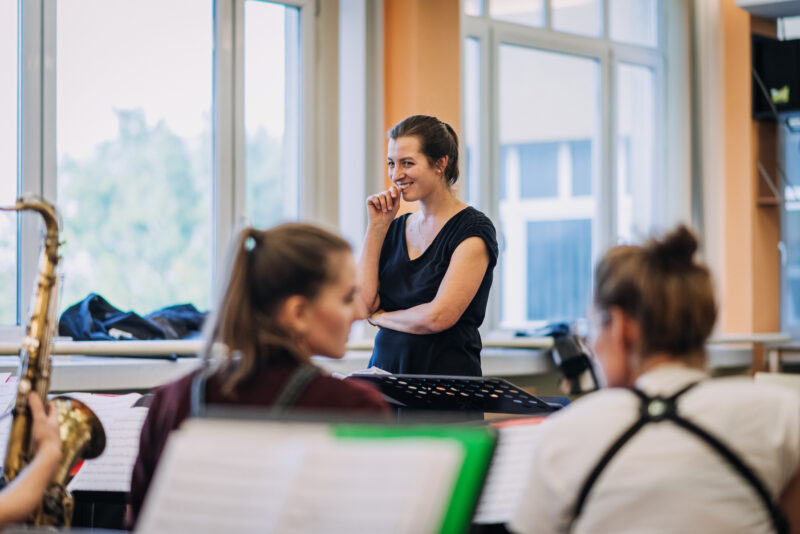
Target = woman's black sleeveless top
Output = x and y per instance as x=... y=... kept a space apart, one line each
x=405 y=283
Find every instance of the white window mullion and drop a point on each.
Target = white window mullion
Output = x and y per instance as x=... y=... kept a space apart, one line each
x=227 y=129
x=36 y=133
x=361 y=162
x=307 y=196
x=48 y=117
x=353 y=76
x=605 y=229
x=239 y=136
x=490 y=169
x=548 y=14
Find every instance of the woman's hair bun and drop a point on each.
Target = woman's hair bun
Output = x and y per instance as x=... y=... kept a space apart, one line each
x=677 y=247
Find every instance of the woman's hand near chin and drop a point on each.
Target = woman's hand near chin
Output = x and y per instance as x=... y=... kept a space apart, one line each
x=382 y=207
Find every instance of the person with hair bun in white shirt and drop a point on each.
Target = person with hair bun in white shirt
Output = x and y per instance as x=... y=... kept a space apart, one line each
x=664 y=448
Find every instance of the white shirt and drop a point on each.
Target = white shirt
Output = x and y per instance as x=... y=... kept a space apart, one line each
x=664 y=479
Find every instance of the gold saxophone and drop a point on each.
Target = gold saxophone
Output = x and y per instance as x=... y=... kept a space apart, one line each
x=81 y=432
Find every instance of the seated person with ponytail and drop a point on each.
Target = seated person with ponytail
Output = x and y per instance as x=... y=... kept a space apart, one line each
x=291 y=293
x=666 y=448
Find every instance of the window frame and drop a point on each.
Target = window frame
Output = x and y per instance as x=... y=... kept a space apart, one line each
x=785 y=316
x=36 y=102
x=491 y=35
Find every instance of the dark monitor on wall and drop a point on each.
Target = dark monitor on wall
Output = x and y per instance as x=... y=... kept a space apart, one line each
x=777 y=65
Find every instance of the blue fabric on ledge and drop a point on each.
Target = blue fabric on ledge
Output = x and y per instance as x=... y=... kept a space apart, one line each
x=95 y=319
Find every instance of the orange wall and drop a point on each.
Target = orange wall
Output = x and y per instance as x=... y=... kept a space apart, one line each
x=421 y=60
x=752 y=281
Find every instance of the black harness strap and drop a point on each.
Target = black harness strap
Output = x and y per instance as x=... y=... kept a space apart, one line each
x=644 y=418
x=657 y=409
x=779 y=520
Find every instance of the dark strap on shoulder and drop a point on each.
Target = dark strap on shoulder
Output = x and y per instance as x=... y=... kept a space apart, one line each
x=197 y=394
x=295 y=386
x=657 y=409
x=779 y=520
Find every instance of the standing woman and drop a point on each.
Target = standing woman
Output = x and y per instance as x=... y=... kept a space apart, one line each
x=291 y=293
x=425 y=277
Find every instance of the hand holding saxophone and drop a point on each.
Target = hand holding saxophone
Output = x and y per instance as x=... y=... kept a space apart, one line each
x=23 y=495
x=45 y=432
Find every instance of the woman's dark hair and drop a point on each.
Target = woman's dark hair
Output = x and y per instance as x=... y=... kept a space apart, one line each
x=267 y=267
x=660 y=285
x=437 y=139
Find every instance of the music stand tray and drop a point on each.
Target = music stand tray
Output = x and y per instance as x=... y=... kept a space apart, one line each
x=458 y=393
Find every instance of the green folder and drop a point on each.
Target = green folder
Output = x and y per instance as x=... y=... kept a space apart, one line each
x=478 y=445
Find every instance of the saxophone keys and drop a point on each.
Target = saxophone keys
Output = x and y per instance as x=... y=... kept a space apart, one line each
x=30 y=343
x=24 y=387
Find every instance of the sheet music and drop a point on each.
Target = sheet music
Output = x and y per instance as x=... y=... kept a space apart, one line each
x=8 y=391
x=508 y=473
x=8 y=394
x=111 y=471
x=106 y=407
x=262 y=477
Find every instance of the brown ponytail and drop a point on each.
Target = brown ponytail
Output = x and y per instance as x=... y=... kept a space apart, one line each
x=267 y=267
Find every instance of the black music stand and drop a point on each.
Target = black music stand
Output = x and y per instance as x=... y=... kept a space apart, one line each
x=473 y=395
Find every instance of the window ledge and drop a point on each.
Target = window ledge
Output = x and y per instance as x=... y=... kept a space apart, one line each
x=85 y=366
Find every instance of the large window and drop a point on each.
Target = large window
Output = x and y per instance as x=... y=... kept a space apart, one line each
x=546 y=210
x=572 y=94
x=135 y=150
x=8 y=161
x=156 y=127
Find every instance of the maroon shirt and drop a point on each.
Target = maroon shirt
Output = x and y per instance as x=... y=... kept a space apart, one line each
x=171 y=405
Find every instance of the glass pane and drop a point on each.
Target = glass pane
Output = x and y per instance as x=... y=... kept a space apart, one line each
x=634 y=21
x=135 y=150
x=8 y=161
x=584 y=17
x=549 y=113
x=528 y=12
x=272 y=112
x=559 y=258
x=538 y=169
x=789 y=148
x=473 y=7
x=635 y=108
x=791 y=239
x=789 y=28
x=581 y=159
x=472 y=133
